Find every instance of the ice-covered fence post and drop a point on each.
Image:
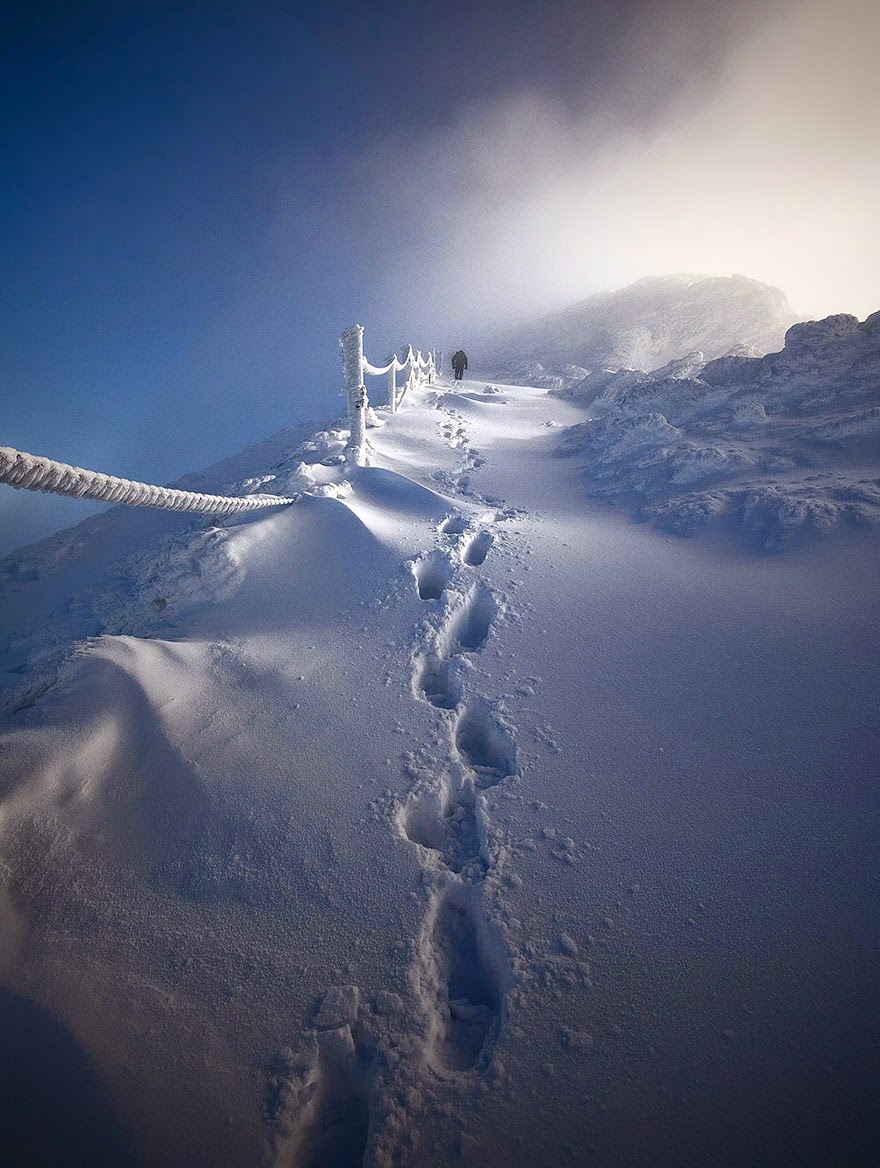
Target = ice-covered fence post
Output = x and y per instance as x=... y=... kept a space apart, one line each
x=392 y=385
x=352 y=344
x=404 y=368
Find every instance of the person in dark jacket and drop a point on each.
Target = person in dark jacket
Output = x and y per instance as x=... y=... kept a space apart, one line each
x=459 y=363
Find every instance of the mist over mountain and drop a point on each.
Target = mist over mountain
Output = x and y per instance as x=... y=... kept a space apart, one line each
x=656 y=320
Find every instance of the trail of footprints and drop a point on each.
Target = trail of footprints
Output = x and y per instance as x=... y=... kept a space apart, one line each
x=460 y=970
x=455 y=432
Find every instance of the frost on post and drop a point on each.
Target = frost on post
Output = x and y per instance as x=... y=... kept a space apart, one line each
x=392 y=384
x=352 y=344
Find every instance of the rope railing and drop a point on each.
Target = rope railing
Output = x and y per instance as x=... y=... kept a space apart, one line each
x=356 y=367
x=33 y=472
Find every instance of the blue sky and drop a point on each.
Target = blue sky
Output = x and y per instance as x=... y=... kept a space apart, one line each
x=198 y=197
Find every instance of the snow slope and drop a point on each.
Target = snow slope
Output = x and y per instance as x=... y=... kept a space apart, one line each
x=656 y=320
x=438 y=819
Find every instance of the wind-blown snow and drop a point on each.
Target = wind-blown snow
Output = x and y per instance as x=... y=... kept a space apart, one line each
x=444 y=818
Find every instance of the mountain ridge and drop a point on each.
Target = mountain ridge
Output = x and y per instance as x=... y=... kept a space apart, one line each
x=645 y=325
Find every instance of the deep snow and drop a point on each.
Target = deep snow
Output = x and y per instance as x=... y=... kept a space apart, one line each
x=441 y=818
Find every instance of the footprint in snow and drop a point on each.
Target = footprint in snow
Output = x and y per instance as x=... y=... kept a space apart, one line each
x=454 y=525
x=437 y=680
x=448 y=828
x=321 y=1104
x=485 y=744
x=477 y=549
x=469 y=624
x=433 y=572
x=461 y=975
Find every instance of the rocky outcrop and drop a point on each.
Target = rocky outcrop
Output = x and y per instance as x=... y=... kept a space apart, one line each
x=781 y=444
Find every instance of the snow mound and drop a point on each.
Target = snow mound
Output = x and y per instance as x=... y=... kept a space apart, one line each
x=779 y=444
x=186 y=572
x=143 y=574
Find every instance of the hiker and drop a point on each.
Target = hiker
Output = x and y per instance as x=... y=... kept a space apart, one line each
x=459 y=363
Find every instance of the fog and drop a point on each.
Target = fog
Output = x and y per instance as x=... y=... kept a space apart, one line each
x=762 y=157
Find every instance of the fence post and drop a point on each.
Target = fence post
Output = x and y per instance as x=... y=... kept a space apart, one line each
x=352 y=343
x=392 y=385
x=404 y=368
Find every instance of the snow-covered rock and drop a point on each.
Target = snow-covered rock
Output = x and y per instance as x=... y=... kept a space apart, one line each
x=794 y=436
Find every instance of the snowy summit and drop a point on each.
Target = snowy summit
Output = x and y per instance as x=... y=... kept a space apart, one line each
x=656 y=320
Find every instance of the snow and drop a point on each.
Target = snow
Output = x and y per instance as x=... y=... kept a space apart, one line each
x=445 y=816
x=778 y=445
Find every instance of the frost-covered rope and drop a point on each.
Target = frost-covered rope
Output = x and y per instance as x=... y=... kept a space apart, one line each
x=378 y=370
x=411 y=359
x=33 y=473
x=396 y=364
x=356 y=368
